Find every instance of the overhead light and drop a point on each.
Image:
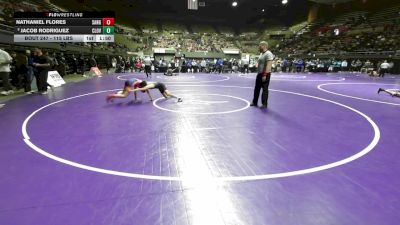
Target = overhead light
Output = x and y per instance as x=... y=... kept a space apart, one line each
x=234 y=3
x=263 y=10
x=284 y=2
x=194 y=0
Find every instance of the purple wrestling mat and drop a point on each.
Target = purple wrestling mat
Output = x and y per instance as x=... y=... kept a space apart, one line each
x=326 y=151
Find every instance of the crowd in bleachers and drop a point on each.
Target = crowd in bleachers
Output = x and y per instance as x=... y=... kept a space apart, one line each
x=330 y=43
x=321 y=38
x=358 y=33
x=210 y=42
x=185 y=65
x=8 y=7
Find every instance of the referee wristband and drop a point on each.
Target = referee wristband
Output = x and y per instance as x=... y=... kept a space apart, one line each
x=266 y=74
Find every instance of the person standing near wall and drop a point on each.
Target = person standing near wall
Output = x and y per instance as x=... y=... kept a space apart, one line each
x=42 y=64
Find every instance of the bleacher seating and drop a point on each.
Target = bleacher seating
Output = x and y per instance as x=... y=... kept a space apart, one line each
x=298 y=39
x=202 y=29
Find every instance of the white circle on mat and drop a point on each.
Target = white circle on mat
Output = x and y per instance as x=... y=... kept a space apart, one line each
x=341 y=162
x=247 y=105
x=354 y=97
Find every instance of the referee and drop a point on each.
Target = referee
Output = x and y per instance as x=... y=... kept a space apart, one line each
x=264 y=74
x=147 y=66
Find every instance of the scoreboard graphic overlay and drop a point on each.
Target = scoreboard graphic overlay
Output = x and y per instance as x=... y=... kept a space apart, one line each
x=64 y=26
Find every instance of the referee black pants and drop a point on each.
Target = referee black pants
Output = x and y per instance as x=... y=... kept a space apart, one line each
x=264 y=85
x=41 y=81
x=147 y=69
x=382 y=72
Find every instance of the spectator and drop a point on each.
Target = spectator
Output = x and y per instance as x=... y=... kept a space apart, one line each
x=194 y=66
x=114 y=63
x=81 y=65
x=21 y=68
x=132 y=62
x=75 y=64
x=92 y=61
x=219 y=65
x=54 y=61
x=62 y=65
x=108 y=63
x=203 y=65
x=127 y=64
x=344 y=65
x=14 y=72
x=5 y=61
x=189 y=66
x=391 y=65
x=138 y=65
x=147 y=66
x=42 y=65
x=30 y=73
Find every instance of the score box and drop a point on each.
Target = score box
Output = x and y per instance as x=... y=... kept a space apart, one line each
x=104 y=38
x=108 y=30
x=108 y=21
